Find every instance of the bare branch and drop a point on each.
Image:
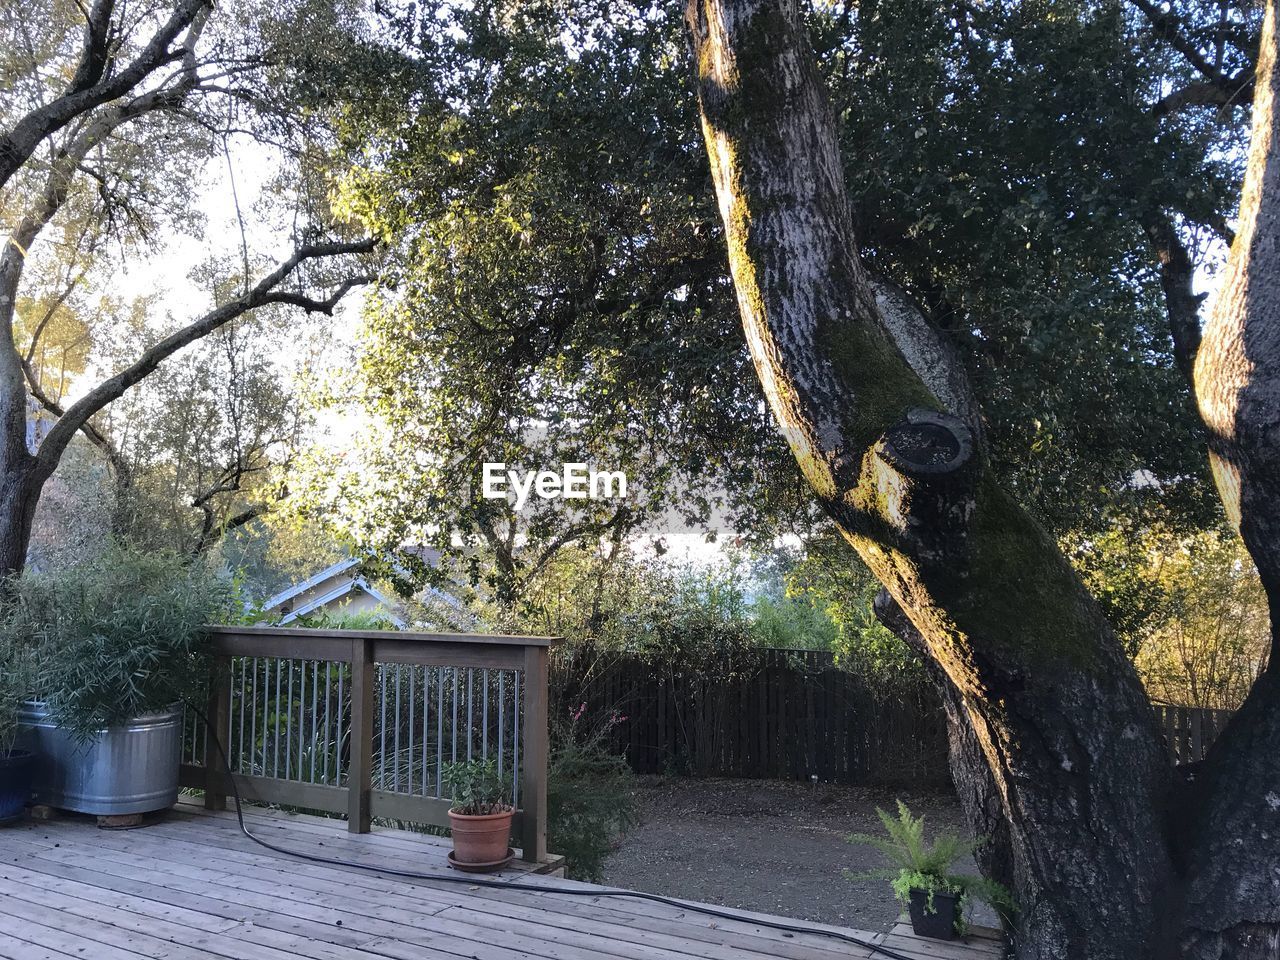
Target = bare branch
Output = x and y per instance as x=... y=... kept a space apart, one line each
x=1235 y=91
x=93 y=84
x=1182 y=303
x=1169 y=27
x=266 y=291
x=119 y=466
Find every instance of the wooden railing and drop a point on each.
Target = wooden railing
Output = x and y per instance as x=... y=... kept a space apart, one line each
x=362 y=723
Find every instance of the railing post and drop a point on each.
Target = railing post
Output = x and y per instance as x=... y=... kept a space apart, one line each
x=360 y=770
x=534 y=755
x=218 y=711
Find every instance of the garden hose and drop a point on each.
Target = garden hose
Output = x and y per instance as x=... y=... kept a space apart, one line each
x=709 y=911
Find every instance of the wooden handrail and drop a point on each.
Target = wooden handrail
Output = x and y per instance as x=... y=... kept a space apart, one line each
x=362 y=649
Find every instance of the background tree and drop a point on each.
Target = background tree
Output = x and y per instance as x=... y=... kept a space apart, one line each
x=94 y=157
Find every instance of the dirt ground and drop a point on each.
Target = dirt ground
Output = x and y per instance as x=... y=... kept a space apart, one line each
x=771 y=846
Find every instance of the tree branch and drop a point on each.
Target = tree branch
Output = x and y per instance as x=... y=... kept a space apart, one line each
x=119 y=465
x=265 y=292
x=19 y=143
x=1169 y=27
x=1182 y=303
x=1234 y=91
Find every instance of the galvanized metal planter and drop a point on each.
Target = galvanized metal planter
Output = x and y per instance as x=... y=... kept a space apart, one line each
x=132 y=768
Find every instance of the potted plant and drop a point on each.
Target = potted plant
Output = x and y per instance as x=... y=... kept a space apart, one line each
x=16 y=766
x=480 y=818
x=119 y=646
x=921 y=875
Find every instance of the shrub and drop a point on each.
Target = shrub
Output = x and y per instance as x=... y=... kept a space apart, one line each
x=15 y=687
x=116 y=638
x=589 y=796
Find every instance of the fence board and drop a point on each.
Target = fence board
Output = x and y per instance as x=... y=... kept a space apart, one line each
x=797 y=716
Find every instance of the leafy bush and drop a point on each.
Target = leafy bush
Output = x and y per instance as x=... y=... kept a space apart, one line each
x=589 y=796
x=15 y=687
x=116 y=638
x=924 y=866
x=477 y=788
x=793 y=621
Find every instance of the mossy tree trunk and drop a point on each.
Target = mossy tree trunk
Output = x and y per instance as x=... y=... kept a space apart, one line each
x=1049 y=719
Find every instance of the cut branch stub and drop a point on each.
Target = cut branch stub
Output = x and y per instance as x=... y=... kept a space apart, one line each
x=925 y=483
x=926 y=443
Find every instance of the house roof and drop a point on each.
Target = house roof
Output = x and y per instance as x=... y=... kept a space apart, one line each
x=314 y=581
x=340 y=590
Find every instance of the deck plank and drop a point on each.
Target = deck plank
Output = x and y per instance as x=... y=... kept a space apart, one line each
x=496 y=907
x=193 y=887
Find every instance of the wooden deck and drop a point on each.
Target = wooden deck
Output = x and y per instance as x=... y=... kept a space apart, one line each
x=192 y=887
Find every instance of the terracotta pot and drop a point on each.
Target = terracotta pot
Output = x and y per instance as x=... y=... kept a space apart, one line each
x=481 y=841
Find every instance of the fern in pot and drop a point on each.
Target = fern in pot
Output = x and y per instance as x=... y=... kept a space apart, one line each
x=921 y=875
x=17 y=766
x=119 y=646
x=481 y=815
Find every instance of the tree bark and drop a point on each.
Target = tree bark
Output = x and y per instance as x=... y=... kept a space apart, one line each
x=974 y=784
x=1233 y=854
x=1056 y=712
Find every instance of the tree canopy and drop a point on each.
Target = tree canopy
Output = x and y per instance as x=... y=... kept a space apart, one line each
x=559 y=288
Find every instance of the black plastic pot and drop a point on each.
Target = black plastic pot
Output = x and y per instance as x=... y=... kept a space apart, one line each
x=17 y=769
x=941 y=923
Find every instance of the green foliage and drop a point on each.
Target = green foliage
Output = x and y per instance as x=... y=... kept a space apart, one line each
x=327 y=620
x=561 y=288
x=905 y=847
x=476 y=787
x=921 y=865
x=118 y=637
x=15 y=687
x=589 y=796
x=1188 y=605
x=793 y=621
x=828 y=574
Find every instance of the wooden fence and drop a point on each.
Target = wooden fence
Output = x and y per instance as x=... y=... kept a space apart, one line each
x=773 y=713
x=1189 y=732
x=786 y=714
x=363 y=723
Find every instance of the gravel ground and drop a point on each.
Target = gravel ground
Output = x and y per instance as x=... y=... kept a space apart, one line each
x=770 y=846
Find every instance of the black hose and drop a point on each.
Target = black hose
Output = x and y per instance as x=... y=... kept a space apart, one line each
x=472 y=881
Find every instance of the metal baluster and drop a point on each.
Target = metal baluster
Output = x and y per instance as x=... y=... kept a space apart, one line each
x=439 y=731
x=275 y=752
x=328 y=713
x=231 y=687
x=471 y=709
x=453 y=737
x=413 y=682
x=315 y=690
x=502 y=710
x=302 y=719
x=426 y=723
x=515 y=740
x=240 y=691
x=395 y=718
x=382 y=749
x=253 y=725
x=484 y=714
x=288 y=729
x=337 y=753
